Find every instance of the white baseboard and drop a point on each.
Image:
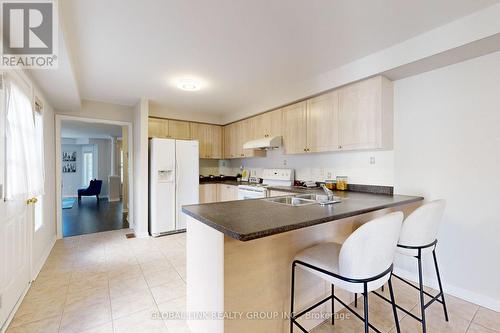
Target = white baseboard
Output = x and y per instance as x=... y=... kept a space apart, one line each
x=467 y=295
x=38 y=267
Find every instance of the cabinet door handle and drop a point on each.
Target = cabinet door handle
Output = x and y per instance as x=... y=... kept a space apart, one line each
x=340 y=147
x=305 y=149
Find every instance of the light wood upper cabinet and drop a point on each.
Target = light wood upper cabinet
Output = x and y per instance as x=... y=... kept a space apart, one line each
x=166 y=128
x=322 y=123
x=179 y=130
x=268 y=124
x=294 y=128
x=230 y=144
x=210 y=139
x=236 y=135
x=366 y=114
x=157 y=128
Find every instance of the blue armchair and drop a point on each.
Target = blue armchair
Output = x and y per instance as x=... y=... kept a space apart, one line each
x=93 y=189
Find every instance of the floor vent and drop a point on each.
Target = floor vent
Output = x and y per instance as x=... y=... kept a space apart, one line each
x=131 y=235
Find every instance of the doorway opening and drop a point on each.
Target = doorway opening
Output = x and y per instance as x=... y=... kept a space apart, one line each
x=94 y=176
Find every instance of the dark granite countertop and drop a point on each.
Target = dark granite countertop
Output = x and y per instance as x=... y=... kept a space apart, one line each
x=251 y=219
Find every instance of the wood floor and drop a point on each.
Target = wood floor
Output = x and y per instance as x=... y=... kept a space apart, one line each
x=89 y=217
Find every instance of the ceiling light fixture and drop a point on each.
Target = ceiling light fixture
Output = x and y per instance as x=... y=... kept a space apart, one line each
x=188 y=84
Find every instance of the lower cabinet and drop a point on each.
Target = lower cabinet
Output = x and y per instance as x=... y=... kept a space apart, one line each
x=208 y=193
x=218 y=193
x=227 y=192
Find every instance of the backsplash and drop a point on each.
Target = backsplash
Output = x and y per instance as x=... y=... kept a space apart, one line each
x=371 y=167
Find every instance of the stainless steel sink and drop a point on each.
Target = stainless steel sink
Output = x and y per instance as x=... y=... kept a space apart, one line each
x=322 y=199
x=292 y=201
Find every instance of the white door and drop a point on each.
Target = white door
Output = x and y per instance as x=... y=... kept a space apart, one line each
x=187 y=177
x=162 y=186
x=16 y=235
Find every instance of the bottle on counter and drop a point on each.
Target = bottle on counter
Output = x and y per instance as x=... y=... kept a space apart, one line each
x=331 y=184
x=342 y=183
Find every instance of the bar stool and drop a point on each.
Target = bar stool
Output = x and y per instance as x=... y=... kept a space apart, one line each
x=419 y=237
x=361 y=264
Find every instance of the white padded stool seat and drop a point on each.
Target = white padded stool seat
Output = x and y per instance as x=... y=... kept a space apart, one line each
x=421 y=227
x=326 y=256
x=366 y=253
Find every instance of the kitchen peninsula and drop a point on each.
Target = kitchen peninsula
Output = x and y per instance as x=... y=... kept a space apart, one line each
x=239 y=256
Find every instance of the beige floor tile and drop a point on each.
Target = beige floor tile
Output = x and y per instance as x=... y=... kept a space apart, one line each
x=166 y=276
x=82 y=299
x=348 y=324
x=48 y=325
x=155 y=265
x=95 y=281
x=125 y=286
x=85 y=318
x=124 y=270
x=380 y=313
x=475 y=328
x=488 y=318
x=170 y=291
x=141 y=322
x=459 y=307
x=182 y=271
x=435 y=322
x=35 y=310
x=132 y=303
x=106 y=328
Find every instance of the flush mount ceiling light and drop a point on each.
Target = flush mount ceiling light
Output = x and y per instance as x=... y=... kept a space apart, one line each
x=188 y=84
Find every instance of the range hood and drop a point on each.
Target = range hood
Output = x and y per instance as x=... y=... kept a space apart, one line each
x=263 y=143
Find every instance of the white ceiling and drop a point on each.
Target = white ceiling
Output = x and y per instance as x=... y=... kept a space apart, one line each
x=247 y=51
x=74 y=129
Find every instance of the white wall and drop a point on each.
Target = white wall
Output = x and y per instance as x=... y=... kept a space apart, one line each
x=102 y=166
x=447 y=145
x=140 y=167
x=318 y=167
x=101 y=110
x=103 y=162
x=72 y=181
x=164 y=112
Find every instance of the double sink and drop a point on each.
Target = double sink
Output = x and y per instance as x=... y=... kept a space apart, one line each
x=304 y=200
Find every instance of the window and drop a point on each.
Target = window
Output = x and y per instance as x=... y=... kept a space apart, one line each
x=121 y=165
x=24 y=143
x=88 y=167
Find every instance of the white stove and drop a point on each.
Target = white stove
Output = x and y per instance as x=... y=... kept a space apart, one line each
x=271 y=177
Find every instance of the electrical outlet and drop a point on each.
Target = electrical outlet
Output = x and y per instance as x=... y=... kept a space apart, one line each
x=329 y=175
x=285 y=162
x=372 y=160
x=223 y=163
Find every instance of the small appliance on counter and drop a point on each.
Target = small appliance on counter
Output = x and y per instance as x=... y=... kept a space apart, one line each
x=245 y=174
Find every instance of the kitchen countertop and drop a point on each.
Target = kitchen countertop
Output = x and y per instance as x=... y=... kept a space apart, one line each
x=245 y=220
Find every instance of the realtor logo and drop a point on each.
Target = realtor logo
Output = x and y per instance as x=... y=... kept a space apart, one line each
x=29 y=34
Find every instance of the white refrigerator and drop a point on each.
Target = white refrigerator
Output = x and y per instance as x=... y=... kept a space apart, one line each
x=173 y=182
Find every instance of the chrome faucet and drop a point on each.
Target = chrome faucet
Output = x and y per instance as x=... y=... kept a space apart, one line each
x=328 y=192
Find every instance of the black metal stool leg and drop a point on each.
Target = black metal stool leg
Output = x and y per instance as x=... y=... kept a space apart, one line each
x=365 y=298
x=333 y=305
x=292 y=300
x=356 y=300
x=393 y=301
x=421 y=286
x=440 y=285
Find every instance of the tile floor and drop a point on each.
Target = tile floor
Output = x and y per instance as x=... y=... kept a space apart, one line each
x=105 y=283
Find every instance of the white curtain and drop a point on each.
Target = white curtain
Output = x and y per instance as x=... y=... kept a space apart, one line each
x=24 y=152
